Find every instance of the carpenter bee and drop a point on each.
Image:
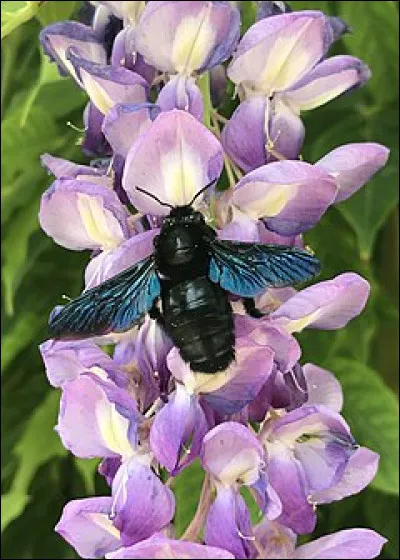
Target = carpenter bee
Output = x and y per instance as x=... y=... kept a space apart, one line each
x=184 y=284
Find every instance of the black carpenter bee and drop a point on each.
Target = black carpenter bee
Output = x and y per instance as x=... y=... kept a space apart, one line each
x=190 y=273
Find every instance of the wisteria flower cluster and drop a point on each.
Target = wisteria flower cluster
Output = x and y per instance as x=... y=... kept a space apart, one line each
x=155 y=74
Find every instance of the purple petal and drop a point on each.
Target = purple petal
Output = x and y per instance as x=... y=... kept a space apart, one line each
x=124 y=123
x=181 y=92
x=329 y=79
x=127 y=11
x=106 y=24
x=142 y=504
x=183 y=37
x=81 y=215
x=196 y=382
x=268 y=9
x=282 y=390
x=159 y=546
x=152 y=348
x=241 y=228
x=291 y=196
x=65 y=361
x=85 y=525
x=260 y=405
x=264 y=333
x=278 y=51
x=252 y=366
x=89 y=424
x=231 y=453
x=179 y=422
x=228 y=524
x=97 y=269
x=243 y=137
x=323 y=388
x=131 y=251
x=94 y=142
x=275 y=297
x=57 y=38
x=124 y=54
x=267 y=499
x=350 y=543
x=321 y=442
x=296 y=388
x=286 y=476
x=174 y=159
x=285 y=131
x=275 y=539
x=109 y=468
x=143 y=383
x=326 y=305
x=353 y=165
x=108 y=85
x=359 y=472
x=218 y=83
x=63 y=168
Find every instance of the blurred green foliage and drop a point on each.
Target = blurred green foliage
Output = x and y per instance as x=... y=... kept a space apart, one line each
x=38 y=476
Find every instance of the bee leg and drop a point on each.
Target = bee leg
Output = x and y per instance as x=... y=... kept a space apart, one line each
x=251 y=309
x=156 y=314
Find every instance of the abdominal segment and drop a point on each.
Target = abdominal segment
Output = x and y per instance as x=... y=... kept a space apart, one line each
x=198 y=317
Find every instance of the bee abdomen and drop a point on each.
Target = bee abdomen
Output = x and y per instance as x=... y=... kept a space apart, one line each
x=207 y=343
x=198 y=317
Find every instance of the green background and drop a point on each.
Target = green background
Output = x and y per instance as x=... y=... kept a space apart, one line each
x=38 y=476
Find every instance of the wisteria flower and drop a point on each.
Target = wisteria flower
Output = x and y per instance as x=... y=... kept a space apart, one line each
x=267 y=430
x=277 y=541
x=98 y=419
x=183 y=40
x=280 y=70
x=233 y=457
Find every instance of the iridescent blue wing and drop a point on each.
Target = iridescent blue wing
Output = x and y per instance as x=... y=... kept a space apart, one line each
x=113 y=306
x=248 y=269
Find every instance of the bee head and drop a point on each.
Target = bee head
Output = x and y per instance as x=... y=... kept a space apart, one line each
x=184 y=215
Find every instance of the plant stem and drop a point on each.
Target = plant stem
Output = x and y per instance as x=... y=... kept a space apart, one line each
x=193 y=529
x=204 y=86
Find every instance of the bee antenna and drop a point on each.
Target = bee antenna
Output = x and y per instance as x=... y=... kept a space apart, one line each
x=202 y=190
x=151 y=195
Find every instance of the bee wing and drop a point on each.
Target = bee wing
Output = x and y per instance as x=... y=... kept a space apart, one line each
x=113 y=306
x=247 y=269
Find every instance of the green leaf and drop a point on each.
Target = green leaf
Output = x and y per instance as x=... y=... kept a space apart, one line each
x=323 y=6
x=14 y=14
x=374 y=38
x=32 y=534
x=371 y=409
x=368 y=209
x=187 y=488
x=50 y=12
x=18 y=336
x=22 y=144
x=48 y=74
x=38 y=444
x=248 y=12
x=255 y=512
x=88 y=469
x=15 y=251
x=382 y=513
